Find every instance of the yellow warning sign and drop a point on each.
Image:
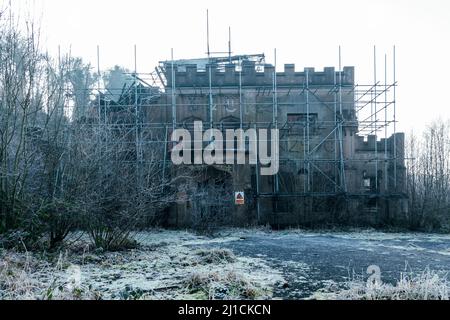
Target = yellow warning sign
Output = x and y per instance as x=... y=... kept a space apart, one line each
x=239 y=198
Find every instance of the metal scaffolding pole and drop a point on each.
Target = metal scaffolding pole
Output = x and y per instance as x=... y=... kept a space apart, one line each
x=386 y=177
x=276 y=91
x=375 y=116
x=207 y=34
x=341 y=144
x=395 y=122
x=241 y=113
x=305 y=179
x=258 y=208
x=275 y=112
x=210 y=94
x=335 y=131
x=308 y=136
x=229 y=45
x=165 y=158
x=173 y=93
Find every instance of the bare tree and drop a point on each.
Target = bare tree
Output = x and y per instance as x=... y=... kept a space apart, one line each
x=428 y=179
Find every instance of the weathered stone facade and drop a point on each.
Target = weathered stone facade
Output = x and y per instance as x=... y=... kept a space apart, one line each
x=328 y=173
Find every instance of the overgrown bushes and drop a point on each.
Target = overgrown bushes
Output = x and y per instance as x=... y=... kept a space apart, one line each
x=61 y=168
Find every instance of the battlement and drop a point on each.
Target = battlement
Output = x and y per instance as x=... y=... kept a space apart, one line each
x=189 y=76
x=369 y=145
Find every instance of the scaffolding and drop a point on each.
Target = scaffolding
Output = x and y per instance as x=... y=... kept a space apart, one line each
x=152 y=103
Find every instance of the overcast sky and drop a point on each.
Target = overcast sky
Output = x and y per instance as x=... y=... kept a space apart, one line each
x=306 y=33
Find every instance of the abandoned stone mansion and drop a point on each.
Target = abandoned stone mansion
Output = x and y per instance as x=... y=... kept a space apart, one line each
x=335 y=163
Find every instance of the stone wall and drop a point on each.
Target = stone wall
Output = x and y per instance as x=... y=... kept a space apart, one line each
x=310 y=92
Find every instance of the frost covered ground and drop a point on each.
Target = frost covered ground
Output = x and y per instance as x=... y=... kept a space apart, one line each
x=312 y=261
x=167 y=265
x=236 y=264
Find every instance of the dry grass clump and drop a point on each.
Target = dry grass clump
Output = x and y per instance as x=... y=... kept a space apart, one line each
x=26 y=277
x=428 y=285
x=215 y=256
x=214 y=280
x=14 y=277
x=216 y=286
x=176 y=268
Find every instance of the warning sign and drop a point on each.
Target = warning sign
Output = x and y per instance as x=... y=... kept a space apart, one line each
x=239 y=198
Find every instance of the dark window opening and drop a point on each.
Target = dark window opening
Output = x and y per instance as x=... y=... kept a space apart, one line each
x=303 y=171
x=302 y=118
x=298 y=123
x=372 y=183
x=372 y=203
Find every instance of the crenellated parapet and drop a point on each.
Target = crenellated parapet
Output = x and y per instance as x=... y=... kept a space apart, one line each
x=368 y=145
x=190 y=76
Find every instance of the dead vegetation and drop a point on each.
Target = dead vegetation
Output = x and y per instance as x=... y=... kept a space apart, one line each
x=215 y=256
x=229 y=286
x=428 y=285
x=29 y=277
x=157 y=269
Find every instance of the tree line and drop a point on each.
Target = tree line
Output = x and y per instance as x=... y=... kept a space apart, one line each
x=428 y=178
